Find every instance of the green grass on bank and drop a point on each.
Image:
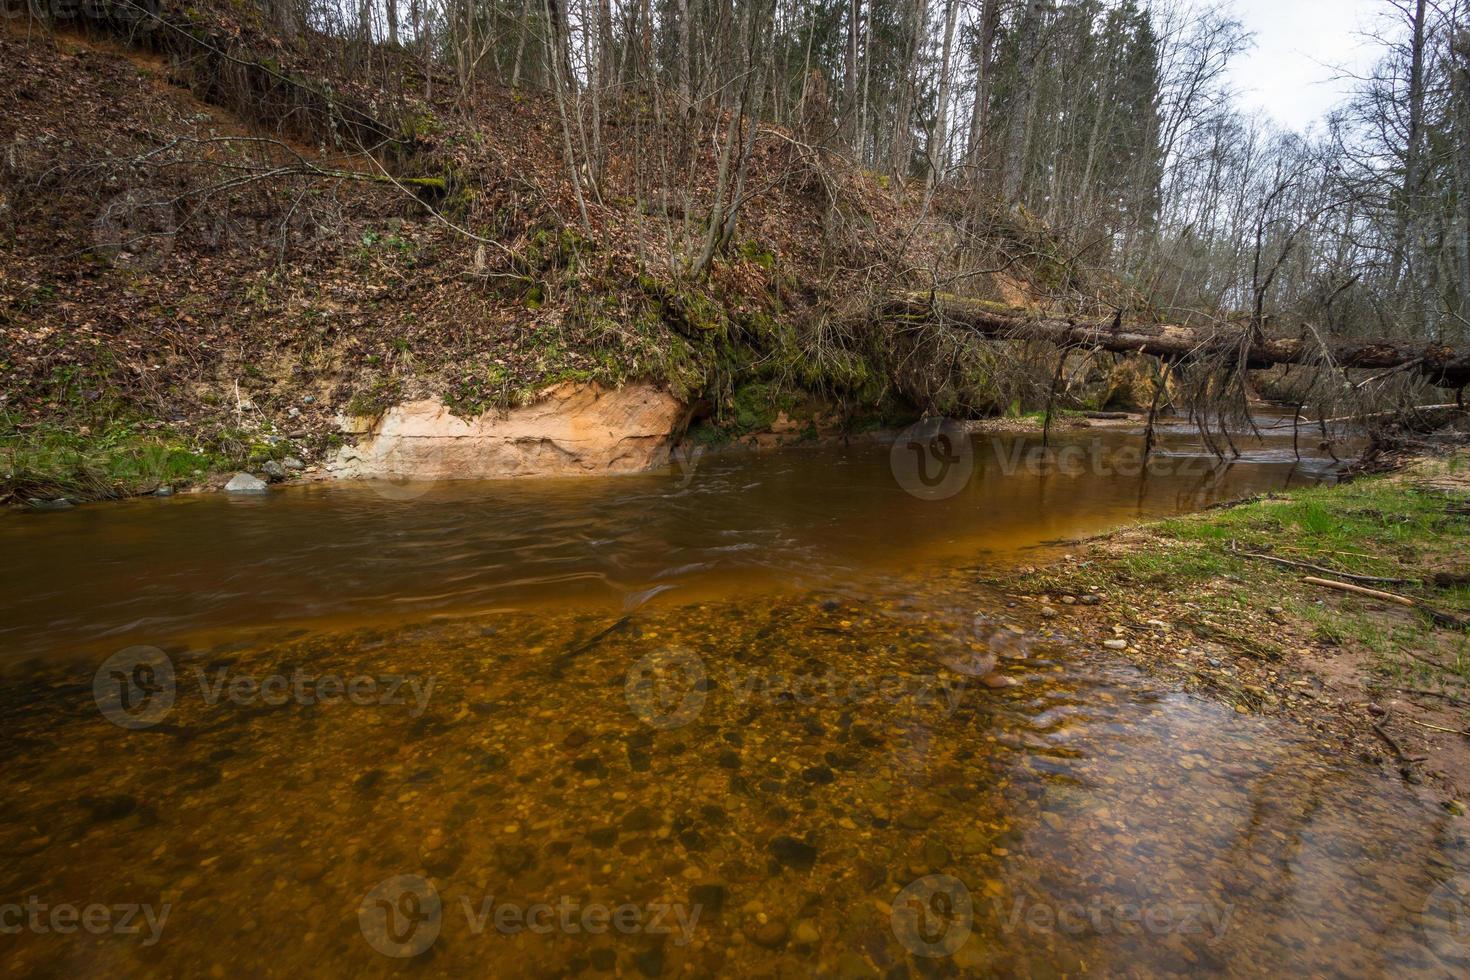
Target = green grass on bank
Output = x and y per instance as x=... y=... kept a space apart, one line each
x=115 y=460
x=1413 y=528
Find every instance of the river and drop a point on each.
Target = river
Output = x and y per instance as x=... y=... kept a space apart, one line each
x=713 y=720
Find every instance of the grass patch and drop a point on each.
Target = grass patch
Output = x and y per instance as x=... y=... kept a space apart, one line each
x=118 y=460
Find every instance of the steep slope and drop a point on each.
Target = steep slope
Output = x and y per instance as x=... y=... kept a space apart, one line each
x=204 y=265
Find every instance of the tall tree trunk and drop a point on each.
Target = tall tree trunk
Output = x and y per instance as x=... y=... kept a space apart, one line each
x=686 y=94
x=1404 y=261
x=1460 y=66
x=938 y=149
x=1019 y=133
x=849 y=75
x=980 y=108
x=901 y=147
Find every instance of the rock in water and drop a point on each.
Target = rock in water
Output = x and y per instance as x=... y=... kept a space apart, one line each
x=245 y=483
x=60 y=503
x=792 y=853
x=273 y=470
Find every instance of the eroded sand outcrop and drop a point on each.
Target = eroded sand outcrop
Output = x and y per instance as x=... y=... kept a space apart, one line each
x=571 y=430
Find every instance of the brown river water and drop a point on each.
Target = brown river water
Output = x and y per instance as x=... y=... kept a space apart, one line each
x=726 y=719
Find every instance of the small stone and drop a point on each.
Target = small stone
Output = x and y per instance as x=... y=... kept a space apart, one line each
x=60 y=503
x=441 y=860
x=638 y=819
x=650 y=962
x=1049 y=612
x=936 y=855
x=998 y=681
x=273 y=470
x=1274 y=610
x=806 y=934
x=771 y=934
x=293 y=464
x=102 y=809
x=709 y=898
x=310 y=871
x=1116 y=644
x=1068 y=600
x=245 y=483
x=819 y=775
x=792 y=853
x=164 y=492
x=513 y=858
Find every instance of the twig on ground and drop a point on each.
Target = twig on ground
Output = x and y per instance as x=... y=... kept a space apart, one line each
x=1437 y=728
x=1318 y=568
x=1438 y=615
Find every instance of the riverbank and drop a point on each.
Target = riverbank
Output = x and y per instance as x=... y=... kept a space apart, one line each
x=1222 y=604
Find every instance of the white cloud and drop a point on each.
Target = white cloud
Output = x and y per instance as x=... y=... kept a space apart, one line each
x=1293 y=73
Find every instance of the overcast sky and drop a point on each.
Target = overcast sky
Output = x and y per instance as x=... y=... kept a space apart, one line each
x=1290 y=75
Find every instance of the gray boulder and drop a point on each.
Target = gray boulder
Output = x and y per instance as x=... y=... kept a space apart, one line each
x=245 y=483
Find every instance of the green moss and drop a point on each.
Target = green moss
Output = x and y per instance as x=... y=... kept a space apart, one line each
x=375 y=397
x=119 y=459
x=755 y=407
x=752 y=251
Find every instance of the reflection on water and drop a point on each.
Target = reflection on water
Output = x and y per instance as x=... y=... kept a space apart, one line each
x=332 y=732
x=142 y=571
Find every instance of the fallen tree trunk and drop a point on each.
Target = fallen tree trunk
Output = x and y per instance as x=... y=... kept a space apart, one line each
x=1447 y=367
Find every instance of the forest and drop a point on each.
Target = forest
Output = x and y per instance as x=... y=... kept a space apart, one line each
x=694 y=488
x=807 y=194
